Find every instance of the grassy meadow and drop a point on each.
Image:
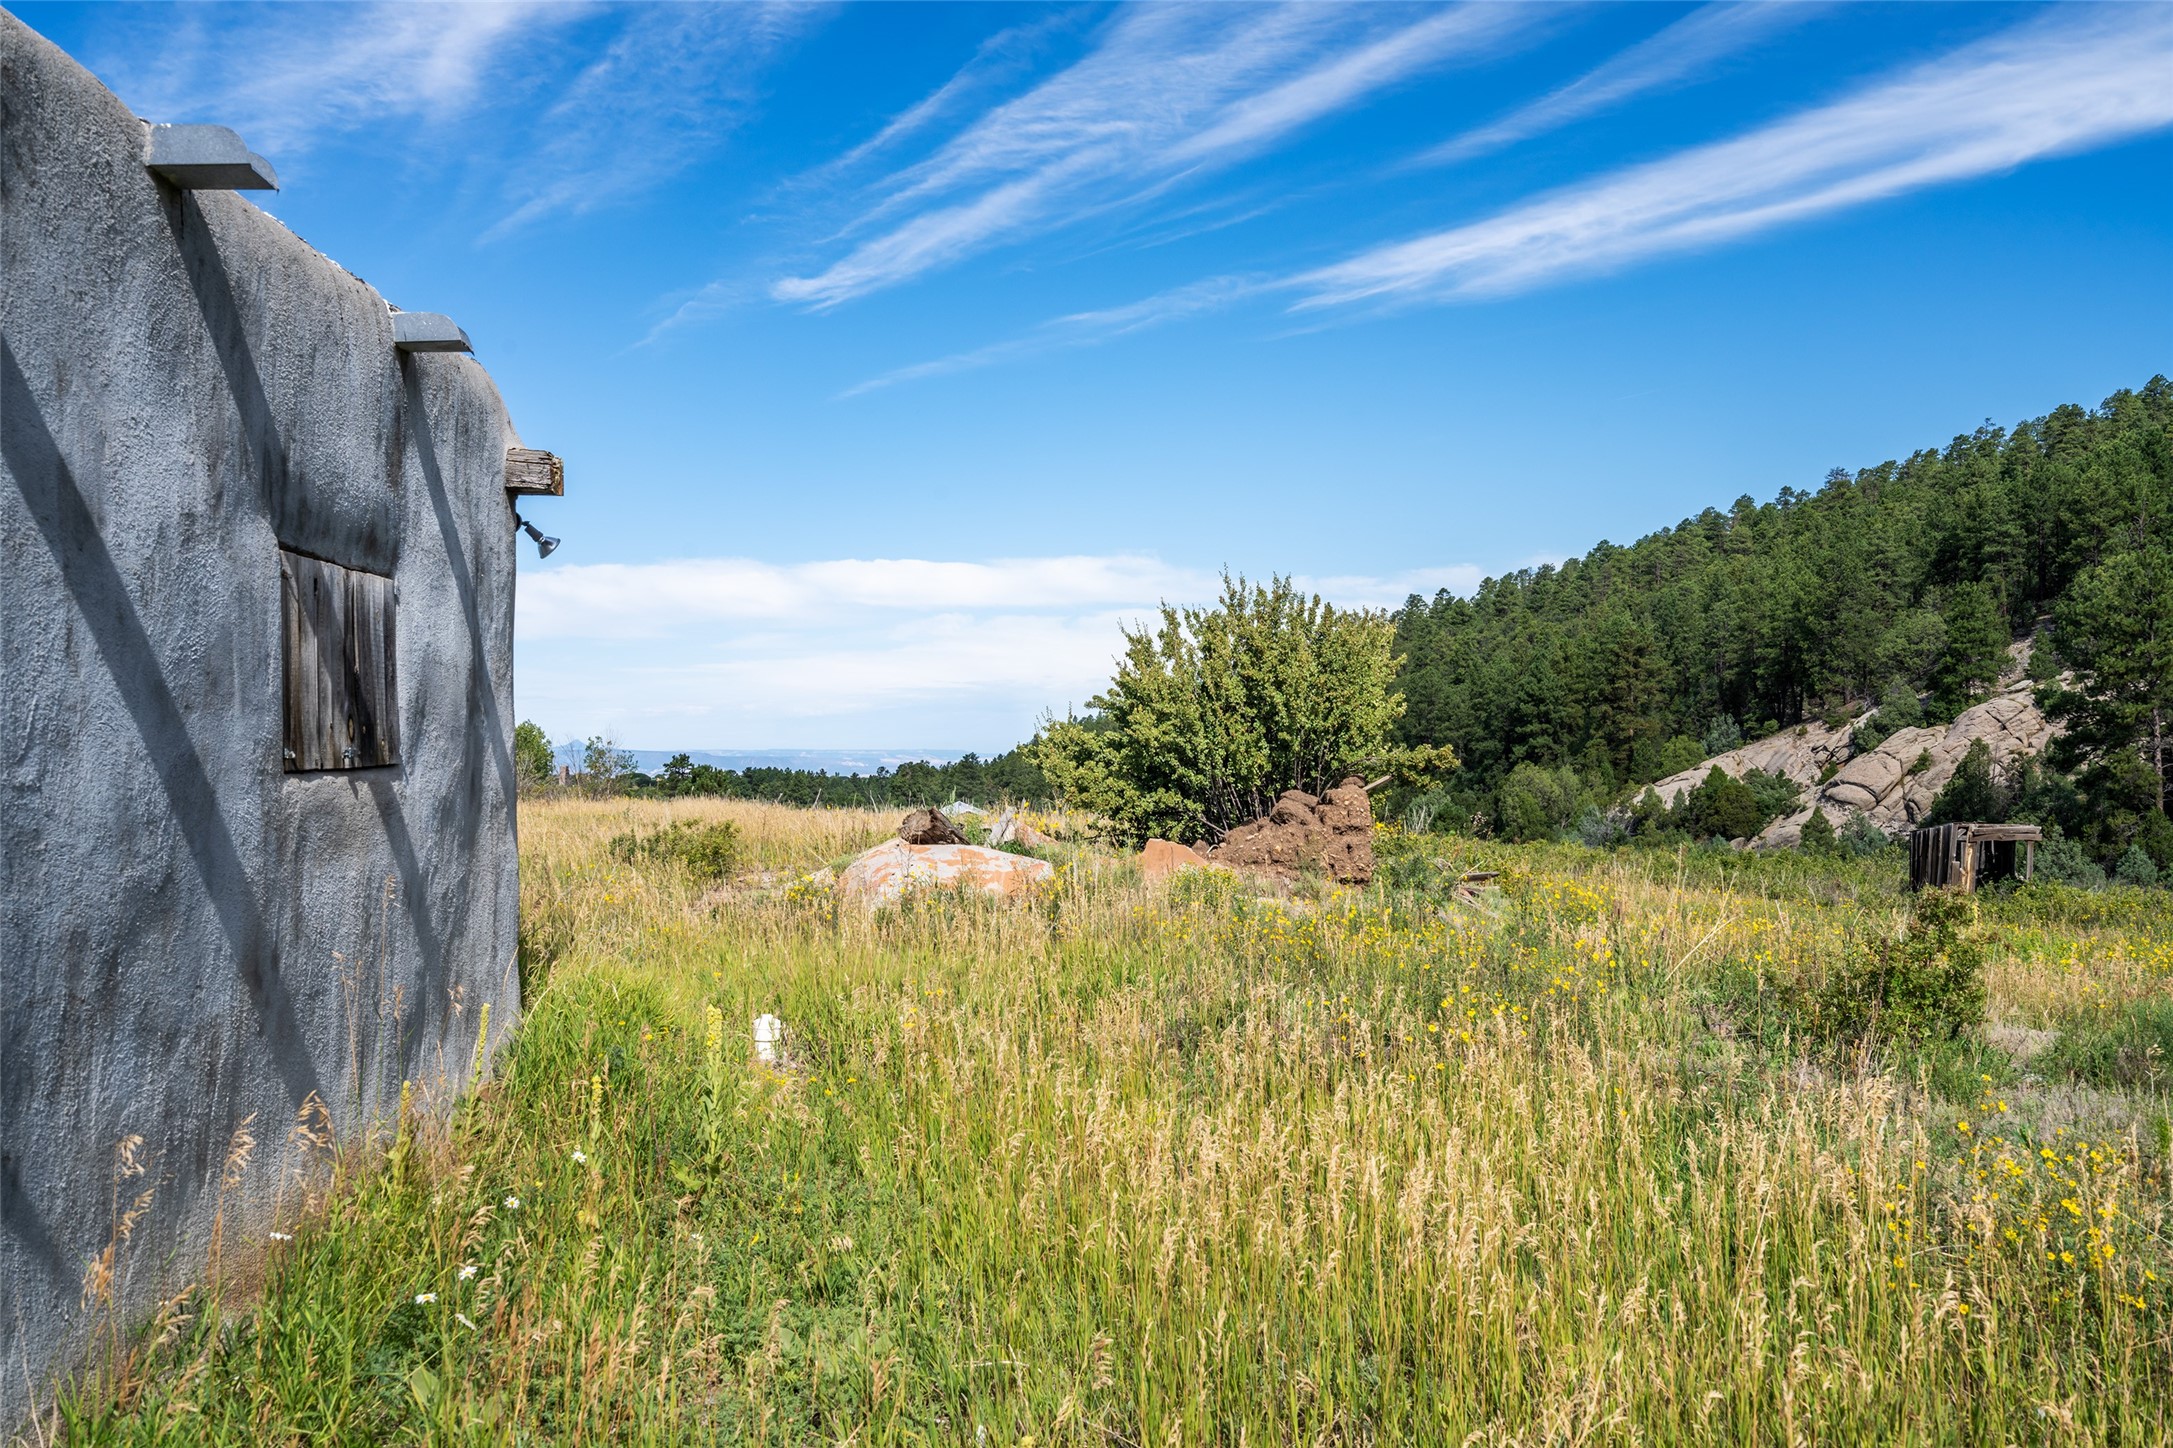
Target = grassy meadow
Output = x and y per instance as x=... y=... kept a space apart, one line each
x=1138 y=1164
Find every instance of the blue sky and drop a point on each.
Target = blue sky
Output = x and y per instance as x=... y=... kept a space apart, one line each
x=899 y=353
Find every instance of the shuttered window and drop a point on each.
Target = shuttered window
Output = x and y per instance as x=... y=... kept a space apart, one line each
x=341 y=703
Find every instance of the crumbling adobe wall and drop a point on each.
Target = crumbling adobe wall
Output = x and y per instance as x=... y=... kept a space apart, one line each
x=1332 y=834
x=191 y=938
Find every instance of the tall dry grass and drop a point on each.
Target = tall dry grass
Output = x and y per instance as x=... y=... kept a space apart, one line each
x=1141 y=1164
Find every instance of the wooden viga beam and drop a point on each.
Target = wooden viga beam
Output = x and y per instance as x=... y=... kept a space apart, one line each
x=532 y=470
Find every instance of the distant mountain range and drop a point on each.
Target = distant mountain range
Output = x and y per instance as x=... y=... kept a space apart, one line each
x=834 y=761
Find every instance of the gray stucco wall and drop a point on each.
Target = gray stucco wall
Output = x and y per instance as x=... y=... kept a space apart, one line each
x=189 y=935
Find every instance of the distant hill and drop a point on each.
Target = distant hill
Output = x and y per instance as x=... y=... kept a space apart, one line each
x=812 y=761
x=1630 y=663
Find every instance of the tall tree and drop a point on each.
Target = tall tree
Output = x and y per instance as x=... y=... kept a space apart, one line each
x=2114 y=630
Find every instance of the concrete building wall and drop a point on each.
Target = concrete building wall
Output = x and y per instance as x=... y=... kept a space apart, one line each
x=190 y=936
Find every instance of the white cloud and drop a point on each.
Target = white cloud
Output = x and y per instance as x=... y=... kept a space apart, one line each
x=2087 y=77
x=1689 y=45
x=2080 y=79
x=1169 y=92
x=1080 y=329
x=291 y=75
x=699 y=653
x=506 y=86
x=668 y=88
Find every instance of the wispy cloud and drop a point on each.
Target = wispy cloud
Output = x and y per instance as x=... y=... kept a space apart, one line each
x=1080 y=329
x=715 y=651
x=1682 y=50
x=995 y=60
x=2088 y=76
x=576 y=105
x=285 y=77
x=668 y=88
x=1169 y=92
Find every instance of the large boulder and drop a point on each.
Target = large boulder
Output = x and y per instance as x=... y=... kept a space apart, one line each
x=1333 y=834
x=1163 y=858
x=881 y=875
x=929 y=827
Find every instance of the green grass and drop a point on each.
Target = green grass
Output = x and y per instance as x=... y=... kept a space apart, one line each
x=1138 y=1165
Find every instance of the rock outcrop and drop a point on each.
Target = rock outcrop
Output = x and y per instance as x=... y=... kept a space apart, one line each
x=1887 y=784
x=1333 y=834
x=881 y=875
x=1896 y=783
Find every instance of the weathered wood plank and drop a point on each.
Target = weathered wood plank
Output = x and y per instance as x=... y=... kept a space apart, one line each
x=531 y=470
x=339 y=692
x=372 y=713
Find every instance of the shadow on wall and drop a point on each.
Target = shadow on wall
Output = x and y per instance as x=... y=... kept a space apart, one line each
x=64 y=518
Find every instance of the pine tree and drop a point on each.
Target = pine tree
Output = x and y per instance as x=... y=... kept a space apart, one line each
x=1976 y=647
x=1818 y=838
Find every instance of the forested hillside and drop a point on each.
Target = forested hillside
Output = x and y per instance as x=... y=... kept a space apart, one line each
x=1631 y=662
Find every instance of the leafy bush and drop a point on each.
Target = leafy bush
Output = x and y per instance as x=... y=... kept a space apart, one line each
x=1218 y=711
x=708 y=852
x=2128 y=1047
x=1537 y=804
x=1679 y=753
x=1972 y=793
x=1719 y=808
x=2062 y=861
x=1860 y=837
x=1776 y=794
x=1899 y=709
x=1928 y=985
x=2136 y=868
x=1600 y=829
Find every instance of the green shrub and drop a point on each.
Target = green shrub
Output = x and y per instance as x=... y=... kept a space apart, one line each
x=708 y=852
x=2136 y=868
x=1818 y=836
x=1860 y=838
x=1720 y=808
x=2062 y=861
x=1776 y=794
x=1681 y=752
x=1722 y=735
x=1927 y=985
x=1971 y=793
x=2127 y=1047
x=1537 y=804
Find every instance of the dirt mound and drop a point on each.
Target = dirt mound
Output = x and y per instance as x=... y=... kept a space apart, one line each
x=929 y=827
x=1333 y=834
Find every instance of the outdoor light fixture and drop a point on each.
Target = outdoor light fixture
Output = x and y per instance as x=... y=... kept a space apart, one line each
x=545 y=547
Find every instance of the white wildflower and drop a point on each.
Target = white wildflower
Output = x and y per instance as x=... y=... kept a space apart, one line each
x=513 y=1204
x=424 y=1299
x=467 y=1270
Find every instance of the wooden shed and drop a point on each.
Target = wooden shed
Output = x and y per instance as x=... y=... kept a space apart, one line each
x=1964 y=856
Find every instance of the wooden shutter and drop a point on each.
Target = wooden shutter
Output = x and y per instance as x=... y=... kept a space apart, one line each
x=341 y=699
